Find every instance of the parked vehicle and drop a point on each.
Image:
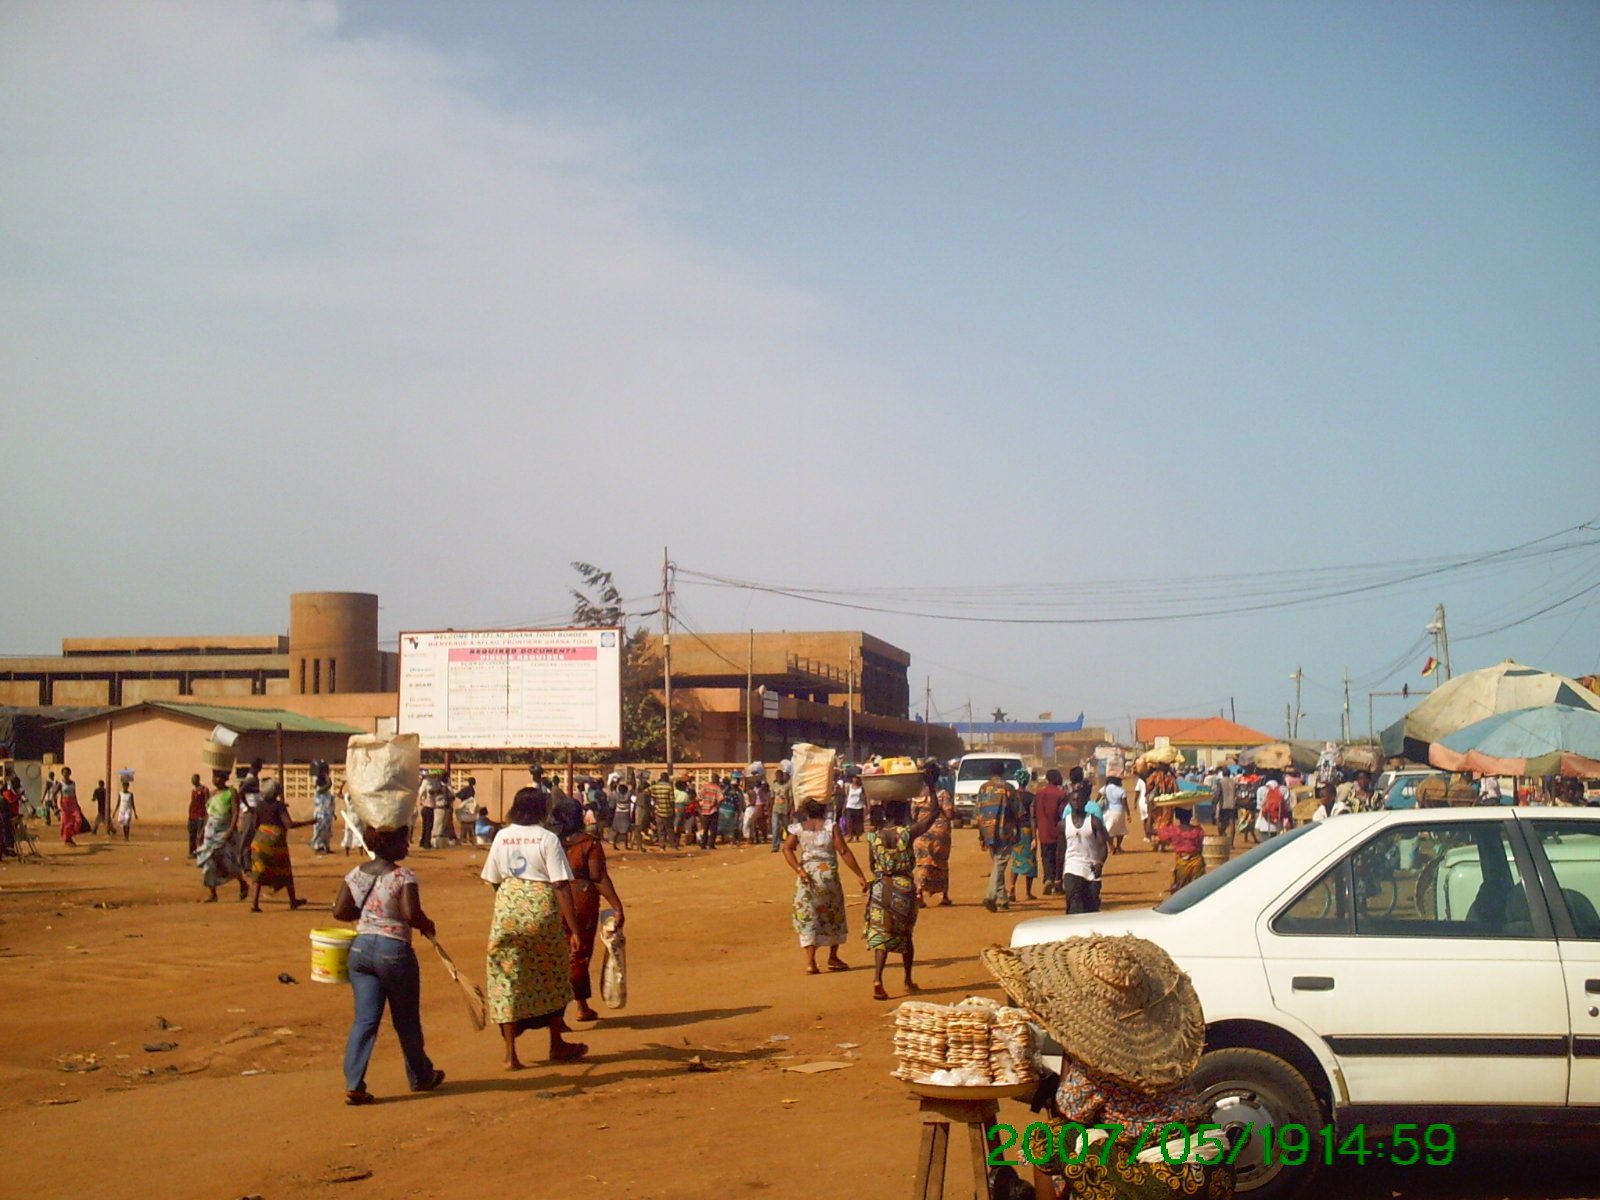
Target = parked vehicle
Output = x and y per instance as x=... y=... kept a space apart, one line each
x=975 y=770
x=1420 y=967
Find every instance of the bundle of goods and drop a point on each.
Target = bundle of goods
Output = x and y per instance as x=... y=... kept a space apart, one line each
x=381 y=771
x=812 y=773
x=976 y=1043
x=1176 y=799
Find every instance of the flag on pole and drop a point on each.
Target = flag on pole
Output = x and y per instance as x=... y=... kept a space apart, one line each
x=1430 y=666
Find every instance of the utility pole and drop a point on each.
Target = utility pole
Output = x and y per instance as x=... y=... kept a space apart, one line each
x=1288 y=721
x=1294 y=726
x=927 y=712
x=850 y=705
x=1441 y=644
x=1444 y=641
x=749 y=701
x=1344 y=723
x=666 y=645
x=1233 y=713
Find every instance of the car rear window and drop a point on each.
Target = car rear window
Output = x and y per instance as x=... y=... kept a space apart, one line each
x=1187 y=897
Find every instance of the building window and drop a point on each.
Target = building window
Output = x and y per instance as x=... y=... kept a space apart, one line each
x=302 y=676
x=316 y=676
x=333 y=675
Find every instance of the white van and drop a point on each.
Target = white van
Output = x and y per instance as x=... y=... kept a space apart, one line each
x=975 y=770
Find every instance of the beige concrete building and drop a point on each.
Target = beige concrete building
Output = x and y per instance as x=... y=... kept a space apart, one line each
x=808 y=686
x=331 y=649
x=753 y=696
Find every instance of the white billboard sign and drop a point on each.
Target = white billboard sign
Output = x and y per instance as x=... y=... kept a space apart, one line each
x=512 y=689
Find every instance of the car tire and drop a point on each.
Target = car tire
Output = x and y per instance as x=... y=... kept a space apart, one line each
x=1251 y=1087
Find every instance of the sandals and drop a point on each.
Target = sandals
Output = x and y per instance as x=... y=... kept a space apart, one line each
x=359 y=1097
x=838 y=965
x=878 y=993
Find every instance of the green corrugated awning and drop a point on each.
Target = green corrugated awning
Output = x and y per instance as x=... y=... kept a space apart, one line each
x=240 y=720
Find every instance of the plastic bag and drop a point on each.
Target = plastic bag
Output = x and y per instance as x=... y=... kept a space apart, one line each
x=613 y=962
x=813 y=773
x=381 y=770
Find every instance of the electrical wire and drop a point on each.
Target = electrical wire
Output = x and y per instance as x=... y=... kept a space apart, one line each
x=1317 y=587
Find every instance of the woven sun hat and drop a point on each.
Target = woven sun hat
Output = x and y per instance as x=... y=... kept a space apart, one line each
x=1118 y=1005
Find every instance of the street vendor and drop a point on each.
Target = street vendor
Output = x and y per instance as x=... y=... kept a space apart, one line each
x=1131 y=1031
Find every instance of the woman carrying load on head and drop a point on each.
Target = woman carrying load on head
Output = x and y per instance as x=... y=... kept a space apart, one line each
x=215 y=854
x=591 y=880
x=535 y=931
x=813 y=848
x=1131 y=1031
x=383 y=899
x=892 y=891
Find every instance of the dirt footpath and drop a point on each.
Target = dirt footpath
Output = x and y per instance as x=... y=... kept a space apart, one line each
x=150 y=1049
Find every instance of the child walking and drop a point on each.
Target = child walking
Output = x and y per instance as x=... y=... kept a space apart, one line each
x=125 y=810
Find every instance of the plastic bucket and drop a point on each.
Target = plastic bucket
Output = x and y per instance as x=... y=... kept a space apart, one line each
x=1215 y=850
x=330 y=955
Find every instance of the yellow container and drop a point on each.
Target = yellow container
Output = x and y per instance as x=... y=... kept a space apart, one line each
x=330 y=955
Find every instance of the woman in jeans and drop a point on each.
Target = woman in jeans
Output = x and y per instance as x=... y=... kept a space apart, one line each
x=382 y=898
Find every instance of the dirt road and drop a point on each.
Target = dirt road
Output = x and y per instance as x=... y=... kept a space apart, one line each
x=101 y=946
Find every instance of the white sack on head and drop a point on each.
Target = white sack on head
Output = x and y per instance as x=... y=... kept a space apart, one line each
x=381 y=770
x=813 y=772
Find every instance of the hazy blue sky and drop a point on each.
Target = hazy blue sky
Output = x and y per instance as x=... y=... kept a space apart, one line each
x=429 y=300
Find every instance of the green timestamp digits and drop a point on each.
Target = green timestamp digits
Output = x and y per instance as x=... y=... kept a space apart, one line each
x=1290 y=1145
x=1295 y=1145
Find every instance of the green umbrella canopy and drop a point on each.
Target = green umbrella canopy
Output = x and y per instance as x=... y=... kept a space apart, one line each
x=1470 y=698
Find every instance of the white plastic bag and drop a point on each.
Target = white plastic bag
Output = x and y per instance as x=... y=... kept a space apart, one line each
x=613 y=962
x=813 y=773
x=381 y=770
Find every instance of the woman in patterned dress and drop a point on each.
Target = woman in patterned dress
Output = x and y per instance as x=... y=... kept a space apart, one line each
x=813 y=849
x=892 y=892
x=591 y=880
x=530 y=962
x=933 y=847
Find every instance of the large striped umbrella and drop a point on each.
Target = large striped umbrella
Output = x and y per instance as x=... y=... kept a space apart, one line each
x=1472 y=697
x=1553 y=739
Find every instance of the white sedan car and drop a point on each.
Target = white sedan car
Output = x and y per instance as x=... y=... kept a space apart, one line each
x=1426 y=967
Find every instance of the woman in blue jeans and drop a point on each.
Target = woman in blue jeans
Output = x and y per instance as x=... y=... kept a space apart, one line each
x=382 y=898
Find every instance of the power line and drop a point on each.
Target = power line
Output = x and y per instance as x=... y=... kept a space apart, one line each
x=1220 y=606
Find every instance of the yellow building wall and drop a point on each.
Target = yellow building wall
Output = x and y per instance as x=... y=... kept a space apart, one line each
x=164 y=751
x=215 y=687
x=135 y=690
x=80 y=692
x=23 y=692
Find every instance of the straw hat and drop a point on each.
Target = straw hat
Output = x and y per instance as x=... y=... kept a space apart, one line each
x=1118 y=1005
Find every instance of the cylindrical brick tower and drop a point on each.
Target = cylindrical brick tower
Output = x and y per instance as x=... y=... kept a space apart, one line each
x=333 y=643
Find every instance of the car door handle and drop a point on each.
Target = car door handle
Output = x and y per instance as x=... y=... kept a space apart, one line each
x=1592 y=986
x=1312 y=983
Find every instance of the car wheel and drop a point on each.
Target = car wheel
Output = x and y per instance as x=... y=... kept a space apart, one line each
x=1247 y=1091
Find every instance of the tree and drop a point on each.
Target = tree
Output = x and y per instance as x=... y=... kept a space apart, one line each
x=598 y=603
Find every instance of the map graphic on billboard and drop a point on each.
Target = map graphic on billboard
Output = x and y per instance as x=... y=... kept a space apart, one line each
x=512 y=689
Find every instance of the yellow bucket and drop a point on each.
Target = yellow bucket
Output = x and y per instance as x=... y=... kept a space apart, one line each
x=330 y=955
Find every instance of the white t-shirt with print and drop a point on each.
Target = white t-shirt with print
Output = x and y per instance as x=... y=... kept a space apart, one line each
x=529 y=852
